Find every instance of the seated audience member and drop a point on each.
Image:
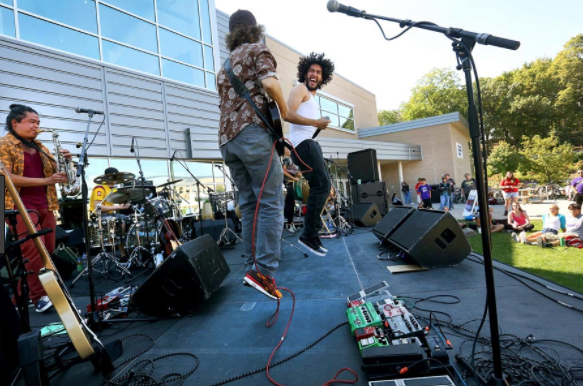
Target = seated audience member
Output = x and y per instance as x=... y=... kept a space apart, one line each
x=552 y=223
x=572 y=235
x=518 y=222
x=395 y=200
x=494 y=226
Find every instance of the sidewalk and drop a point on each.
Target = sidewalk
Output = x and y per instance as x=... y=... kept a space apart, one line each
x=534 y=210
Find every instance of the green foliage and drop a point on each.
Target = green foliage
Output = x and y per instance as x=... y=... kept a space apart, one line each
x=438 y=92
x=546 y=158
x=388 y=117
x=504 y=158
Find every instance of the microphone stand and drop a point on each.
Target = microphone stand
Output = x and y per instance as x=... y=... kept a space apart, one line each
x=198 y=185
x=151 y=247
x=463 y=48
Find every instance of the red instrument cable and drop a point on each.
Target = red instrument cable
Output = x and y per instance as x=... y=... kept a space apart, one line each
x=273 y=318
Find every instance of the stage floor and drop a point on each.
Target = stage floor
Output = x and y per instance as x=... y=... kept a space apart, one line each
x=229 y=334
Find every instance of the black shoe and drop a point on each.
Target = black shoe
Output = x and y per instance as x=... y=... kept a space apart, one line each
x=542 y=244
x=325 y=250
x=312 y=246
x=505 y=213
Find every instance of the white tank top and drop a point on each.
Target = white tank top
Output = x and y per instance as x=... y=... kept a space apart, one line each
x=299 y=133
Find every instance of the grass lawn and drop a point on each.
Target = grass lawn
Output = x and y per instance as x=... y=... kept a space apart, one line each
x=561 y=265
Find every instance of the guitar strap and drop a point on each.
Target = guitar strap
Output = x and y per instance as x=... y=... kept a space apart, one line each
x=244 y=92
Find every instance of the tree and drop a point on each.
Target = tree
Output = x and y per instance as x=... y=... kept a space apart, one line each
x=388 y=117
x=438 y=92
x=547 y=158
x=504 y=158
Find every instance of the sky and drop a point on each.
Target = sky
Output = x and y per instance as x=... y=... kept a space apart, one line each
x=390 y=69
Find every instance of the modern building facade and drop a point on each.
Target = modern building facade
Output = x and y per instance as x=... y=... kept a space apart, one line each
x=150 y=66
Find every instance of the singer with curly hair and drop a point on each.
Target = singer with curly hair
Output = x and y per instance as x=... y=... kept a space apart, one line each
x=314 y=71
x=34 y=173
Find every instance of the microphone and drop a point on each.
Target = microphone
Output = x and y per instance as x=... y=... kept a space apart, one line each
x=318 y=130
x=218 y=166
x=173 y=154
x=79 y=110
x=132 y=148
x=334 y=6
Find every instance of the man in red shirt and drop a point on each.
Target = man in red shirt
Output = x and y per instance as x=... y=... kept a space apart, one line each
x=417 y=185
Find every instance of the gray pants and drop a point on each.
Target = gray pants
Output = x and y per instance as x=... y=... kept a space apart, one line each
x=247 y=156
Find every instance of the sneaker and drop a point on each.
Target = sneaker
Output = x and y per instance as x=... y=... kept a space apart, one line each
x=515 y=237
x=321 y=246
x=542 y=244
x=291 y=228
x=522 y=236
x=480 y=231
x=312 y=246
x=43 y=304
x=263 y=284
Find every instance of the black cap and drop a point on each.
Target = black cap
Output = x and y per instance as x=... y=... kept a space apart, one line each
x=241 y=17
x=111 y=171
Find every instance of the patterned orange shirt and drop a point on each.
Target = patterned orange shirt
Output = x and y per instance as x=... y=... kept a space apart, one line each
x=12 y=156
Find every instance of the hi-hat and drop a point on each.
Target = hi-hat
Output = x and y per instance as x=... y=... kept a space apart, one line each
x=168 y=183
x=125 y=195
x=114 y=178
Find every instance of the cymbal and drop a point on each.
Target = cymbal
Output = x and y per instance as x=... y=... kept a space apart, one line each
x=169 y=183
x=115 y=178
x=124 y=195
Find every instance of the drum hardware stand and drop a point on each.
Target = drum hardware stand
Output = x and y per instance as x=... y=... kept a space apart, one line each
x=343 y=227
x=143 y=179
x=224 y=237
x=136 y=255
x=198 y=185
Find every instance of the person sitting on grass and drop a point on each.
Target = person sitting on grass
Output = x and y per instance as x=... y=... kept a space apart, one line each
x=552 y=223
x=572 y=236
x=494 y=226
x=518 y=222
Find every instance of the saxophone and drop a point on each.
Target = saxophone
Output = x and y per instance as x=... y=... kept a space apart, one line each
x=72 y=187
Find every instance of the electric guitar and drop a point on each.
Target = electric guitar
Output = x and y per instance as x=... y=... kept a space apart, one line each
x=81 y=336
x=171 y=241
x=275 y=121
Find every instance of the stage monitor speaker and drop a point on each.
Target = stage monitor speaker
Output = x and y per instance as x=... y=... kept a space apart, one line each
x=363 y=166
x=184 y=280
x=432 y=238
x=392 y=221
x=372 y=192
x=366 y=215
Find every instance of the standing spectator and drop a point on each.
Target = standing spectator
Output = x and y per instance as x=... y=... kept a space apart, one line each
x=424 y=191
x=417 y=185
x=577 y=187
x=574 y=226
x=444 y=193
x=451 y=189
x=406 y=192
x=552 y=223
x=468 y=185
x=509 y=187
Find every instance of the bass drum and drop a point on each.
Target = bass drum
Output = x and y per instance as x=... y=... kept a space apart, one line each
x=138 y=232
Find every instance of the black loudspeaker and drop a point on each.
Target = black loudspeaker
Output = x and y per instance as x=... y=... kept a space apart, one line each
x=392 y=221
x=61 y=236
x=435 y=194
x=363 y=166
x=366 y=215
x=71 y=211
x=184 y=280
x=432 y=238
x=214 y=228
x=372 y=192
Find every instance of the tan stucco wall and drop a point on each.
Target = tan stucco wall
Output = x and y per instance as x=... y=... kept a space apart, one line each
x=439 y=154
x=365 y=114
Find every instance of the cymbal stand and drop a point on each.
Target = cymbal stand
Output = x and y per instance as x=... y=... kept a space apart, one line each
x=136 y=255
x=342 y=226
x=224 y=237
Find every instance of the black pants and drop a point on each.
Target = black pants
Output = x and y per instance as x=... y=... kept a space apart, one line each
x=579 y=199
x=9 y=333
x=311 y=153
x=427 y=204
x=290 y=202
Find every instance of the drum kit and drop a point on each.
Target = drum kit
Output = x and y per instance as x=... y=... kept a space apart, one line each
x=140 y=234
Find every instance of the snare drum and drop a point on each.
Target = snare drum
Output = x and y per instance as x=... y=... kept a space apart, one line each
x=111 y=232
x=158 y=206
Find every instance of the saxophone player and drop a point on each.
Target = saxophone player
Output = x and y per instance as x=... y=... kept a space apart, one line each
x=34 y=174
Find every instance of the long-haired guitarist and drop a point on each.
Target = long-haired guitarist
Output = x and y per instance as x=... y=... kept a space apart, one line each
x=34 y=174
x=246 y=147
x=314 y=71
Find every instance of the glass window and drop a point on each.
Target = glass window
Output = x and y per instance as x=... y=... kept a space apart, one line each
x=142 y=8
x=328 y=105
x=79 y=14
x=345 y=111
x=7 y=22
x=62 y=38
x=127 y=29
x=347 y=124
x=182 y=73
x=180 y=15
x=128 y=57
x=205 y=18
x=9 y=2
x=333 y=118
x=180 y=48
x=209 y=60
x=211 y=81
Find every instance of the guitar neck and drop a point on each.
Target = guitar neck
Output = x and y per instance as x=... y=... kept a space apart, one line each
x=26 y=219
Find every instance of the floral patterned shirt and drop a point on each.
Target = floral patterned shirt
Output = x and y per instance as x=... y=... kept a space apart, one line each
x=251 y=63
x=12 y=157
